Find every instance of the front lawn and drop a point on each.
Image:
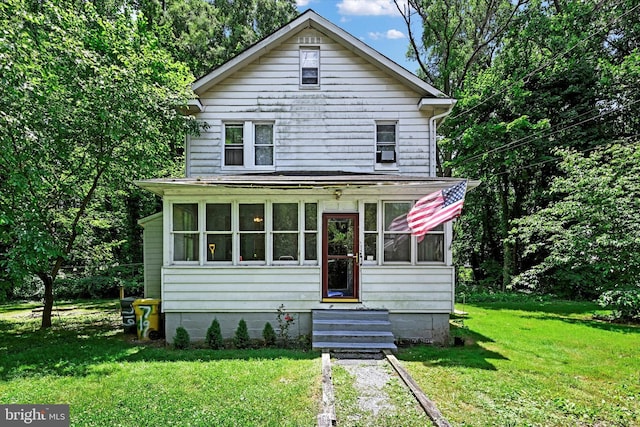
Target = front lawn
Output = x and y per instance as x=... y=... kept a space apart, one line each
x=86 y=361
x=533 y=364
x=539 y=364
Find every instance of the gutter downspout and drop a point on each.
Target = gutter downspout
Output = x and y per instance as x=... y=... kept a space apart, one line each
x=432 y=140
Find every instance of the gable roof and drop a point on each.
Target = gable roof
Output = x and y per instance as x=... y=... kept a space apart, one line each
x=311 y=19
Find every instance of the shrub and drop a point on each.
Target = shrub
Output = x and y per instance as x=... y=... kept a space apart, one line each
x=214 y=335
x=285 y=321
x=241 y=339
x=625 y=303
x=269 y=334
x=181 y=340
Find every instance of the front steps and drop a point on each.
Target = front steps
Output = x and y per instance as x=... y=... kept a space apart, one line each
x=352 y=330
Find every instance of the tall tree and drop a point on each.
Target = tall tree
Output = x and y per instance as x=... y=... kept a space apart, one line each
x=89 y=103
x=204 y=34
x=553 y=78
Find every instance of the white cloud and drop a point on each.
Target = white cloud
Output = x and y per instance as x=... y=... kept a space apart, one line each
x=302 y=3
x=390 y=34
x=394 y=34
x=367 y=7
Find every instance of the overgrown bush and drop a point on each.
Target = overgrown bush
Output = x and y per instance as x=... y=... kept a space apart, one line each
x=181 y=340
x=269 y=334
x=214 y=335
x=241 y=338
x=625 y=303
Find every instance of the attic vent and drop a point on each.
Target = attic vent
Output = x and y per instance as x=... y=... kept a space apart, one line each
x=309 y=40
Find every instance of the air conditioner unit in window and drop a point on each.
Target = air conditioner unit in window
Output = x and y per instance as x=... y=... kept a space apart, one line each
x=387 y=157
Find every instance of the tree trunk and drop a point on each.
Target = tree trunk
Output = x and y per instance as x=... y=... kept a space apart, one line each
x=507 y=247
x=48 y=300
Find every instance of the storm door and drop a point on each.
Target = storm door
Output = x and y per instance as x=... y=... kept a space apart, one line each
x=340 y=256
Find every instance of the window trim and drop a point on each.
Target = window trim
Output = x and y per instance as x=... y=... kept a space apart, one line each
x=202 y=233
x=380 y=233
x=248 y=145
x=380 y=165
x=300 y=68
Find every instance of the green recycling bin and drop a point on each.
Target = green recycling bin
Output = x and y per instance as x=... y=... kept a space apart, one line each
x=147 y=318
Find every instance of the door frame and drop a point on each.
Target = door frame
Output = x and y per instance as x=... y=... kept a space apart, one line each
x=355 y=216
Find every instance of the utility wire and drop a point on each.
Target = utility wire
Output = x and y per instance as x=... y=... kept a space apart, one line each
x=557 y=159
x=525 y=140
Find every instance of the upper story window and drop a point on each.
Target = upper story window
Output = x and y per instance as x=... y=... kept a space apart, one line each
x=248 y=144
x=263 y=144
x=386 y=142
x=234 y=144
x=309 y=67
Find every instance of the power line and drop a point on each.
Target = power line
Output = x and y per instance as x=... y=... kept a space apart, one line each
x=524 y=140
x=551 y=61
x=557 y=159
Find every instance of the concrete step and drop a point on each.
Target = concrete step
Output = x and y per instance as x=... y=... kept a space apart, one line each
x=352 y=330
x=351 y=325
x=357 y=347
x=340 y=314
x=354 y=336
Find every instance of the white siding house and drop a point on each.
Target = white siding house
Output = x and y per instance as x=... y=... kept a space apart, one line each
x=313 y=146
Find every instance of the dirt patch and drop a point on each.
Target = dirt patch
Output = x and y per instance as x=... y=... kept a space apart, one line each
x=370 y=378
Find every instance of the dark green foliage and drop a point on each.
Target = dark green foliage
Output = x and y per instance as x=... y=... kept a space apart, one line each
x=204 y=34
x=556 y=78
x=181 y=340
x=587 y=240
x=625 y=303
x=241 y=338
x=214 y=336
x=269 y=334
x=91 y=93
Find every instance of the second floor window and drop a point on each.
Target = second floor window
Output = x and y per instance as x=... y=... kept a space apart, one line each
x=248 y=144
x=385 y=142
x=234 y=144
x=310 y=67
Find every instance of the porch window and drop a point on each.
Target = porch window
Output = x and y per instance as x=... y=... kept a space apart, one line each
x=397 y=236
x=311 y=231
x=370 y=232
x=431 y=246
x=252 y=232
x=218 y=231
x=386 y=142
x=285 y=231
x=186 y=239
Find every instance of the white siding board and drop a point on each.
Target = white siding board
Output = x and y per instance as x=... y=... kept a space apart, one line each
x=244 y=288
x=330 y=128
x=240 y=288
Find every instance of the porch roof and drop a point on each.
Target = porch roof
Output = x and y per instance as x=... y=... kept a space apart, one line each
x=302 y=181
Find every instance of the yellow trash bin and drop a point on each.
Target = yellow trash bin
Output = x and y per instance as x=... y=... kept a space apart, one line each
x=147 y=318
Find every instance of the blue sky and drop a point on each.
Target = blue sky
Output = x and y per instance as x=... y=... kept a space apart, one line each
x=375 y=22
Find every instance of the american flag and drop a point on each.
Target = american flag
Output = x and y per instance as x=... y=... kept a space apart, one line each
x=436 y=208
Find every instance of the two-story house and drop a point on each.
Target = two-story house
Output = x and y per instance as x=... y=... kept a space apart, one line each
x=313 y=146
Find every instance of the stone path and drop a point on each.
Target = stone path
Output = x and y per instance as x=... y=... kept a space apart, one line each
x=372 y=377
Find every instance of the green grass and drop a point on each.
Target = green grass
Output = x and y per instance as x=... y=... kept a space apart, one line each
x=544 y=363
x=86 y=362
x=540 y=364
